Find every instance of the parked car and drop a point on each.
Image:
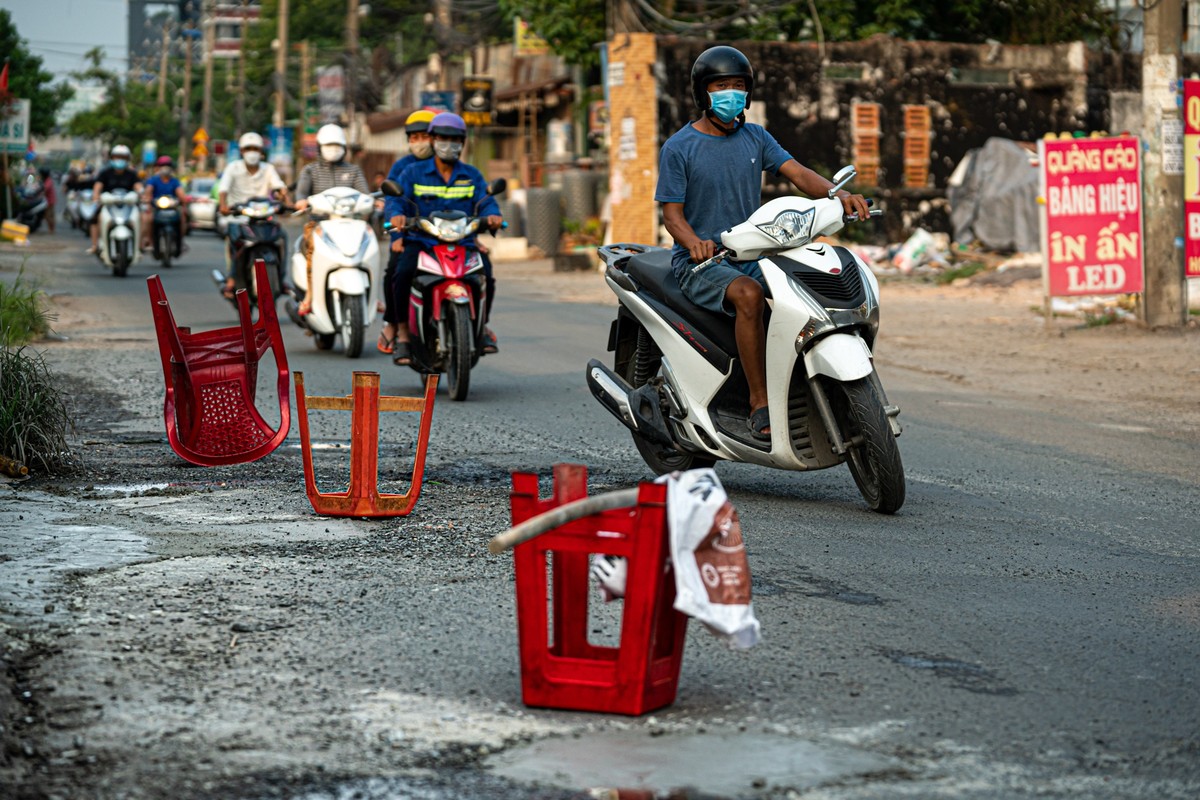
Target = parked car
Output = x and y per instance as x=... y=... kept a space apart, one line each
x=202 y=208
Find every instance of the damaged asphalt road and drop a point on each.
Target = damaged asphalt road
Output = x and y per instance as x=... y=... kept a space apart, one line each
x=1026 y=626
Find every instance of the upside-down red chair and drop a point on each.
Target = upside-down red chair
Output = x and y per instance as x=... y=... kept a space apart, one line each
x=211 y=380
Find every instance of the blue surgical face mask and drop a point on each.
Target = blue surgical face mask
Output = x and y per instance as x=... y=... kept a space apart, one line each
x=119 y=163
x=727 y=104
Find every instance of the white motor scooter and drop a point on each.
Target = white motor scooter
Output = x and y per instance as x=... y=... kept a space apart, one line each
x=345 y=270
x=120 y=230
x=677 y=383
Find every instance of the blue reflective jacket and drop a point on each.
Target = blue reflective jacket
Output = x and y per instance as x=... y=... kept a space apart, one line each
x=423 y=184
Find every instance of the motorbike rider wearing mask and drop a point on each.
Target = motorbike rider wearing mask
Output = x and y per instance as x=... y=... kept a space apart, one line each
x=117 y=175
x=706 y=160
x=420 y=147
x=163 y=184
x=440 y=184
x=331 y=169
x=242 y=180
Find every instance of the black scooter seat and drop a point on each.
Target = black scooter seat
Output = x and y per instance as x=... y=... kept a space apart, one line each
x=652 y=270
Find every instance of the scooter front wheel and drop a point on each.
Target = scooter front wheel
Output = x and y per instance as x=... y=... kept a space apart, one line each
x=458 y=368
x=874 y=456
x=352 y=325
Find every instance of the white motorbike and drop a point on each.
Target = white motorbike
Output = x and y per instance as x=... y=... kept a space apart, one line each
x=345 y=270
x=120 y=230
x=88 y=209
x=677 y=383
x=71 y=209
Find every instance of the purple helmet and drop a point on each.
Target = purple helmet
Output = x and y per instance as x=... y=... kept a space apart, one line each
x=448 y=124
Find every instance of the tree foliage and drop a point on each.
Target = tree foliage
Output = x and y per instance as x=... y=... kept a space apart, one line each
x=573 y=28
x=27 y=79
x=130 y=113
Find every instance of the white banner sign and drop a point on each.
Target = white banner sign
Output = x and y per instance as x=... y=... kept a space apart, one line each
x=14 y=129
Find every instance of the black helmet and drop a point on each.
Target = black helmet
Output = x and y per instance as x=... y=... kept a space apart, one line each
x=721 y=61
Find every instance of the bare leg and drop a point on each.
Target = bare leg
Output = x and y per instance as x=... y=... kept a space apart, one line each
x=746 y=297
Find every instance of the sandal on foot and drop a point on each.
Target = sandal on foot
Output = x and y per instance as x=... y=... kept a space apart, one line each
x=758 y=423
x=386 y=344
x=401 y=356
x=490 y=344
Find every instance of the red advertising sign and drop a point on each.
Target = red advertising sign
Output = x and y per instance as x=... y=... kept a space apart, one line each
x=1093 y=215
x=1191 y=176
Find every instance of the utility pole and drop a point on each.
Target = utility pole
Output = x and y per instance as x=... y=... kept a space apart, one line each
x=305 y=81
x=441 y=30
x=162 y=65
x=352 y=59
x=185 y=119
x=281 y=65
x=206 y=110
x=240 y=103
x=1163 y=300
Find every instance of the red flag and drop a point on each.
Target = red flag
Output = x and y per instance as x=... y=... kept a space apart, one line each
x=4 y=78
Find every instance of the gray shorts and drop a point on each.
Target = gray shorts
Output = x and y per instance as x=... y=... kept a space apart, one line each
x=707 y=287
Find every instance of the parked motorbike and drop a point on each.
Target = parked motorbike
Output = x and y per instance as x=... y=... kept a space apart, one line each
x=120 y=230
x=678 y=386
x=345 y=270
x=259 y=235
x=449 y=295
x=31 y=202
x=166 y=230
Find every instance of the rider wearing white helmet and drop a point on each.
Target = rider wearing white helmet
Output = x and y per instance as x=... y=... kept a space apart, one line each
x=330 y=170
x=242 y=180
x=117 y=175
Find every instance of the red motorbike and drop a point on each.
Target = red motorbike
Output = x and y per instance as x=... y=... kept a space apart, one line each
x=449 y=295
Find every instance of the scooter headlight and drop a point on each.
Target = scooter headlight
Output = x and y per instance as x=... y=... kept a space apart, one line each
x=791 y=227
x=165 y=202
x=448 y=230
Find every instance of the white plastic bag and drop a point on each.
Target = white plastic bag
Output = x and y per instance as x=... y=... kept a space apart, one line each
x=712 y=574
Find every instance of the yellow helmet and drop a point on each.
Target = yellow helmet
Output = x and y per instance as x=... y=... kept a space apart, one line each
x=418 y=121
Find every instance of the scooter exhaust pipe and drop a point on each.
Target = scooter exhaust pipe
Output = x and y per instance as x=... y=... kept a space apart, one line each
x=638 y=409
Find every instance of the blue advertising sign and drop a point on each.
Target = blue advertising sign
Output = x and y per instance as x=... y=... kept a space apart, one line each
x=439 y=101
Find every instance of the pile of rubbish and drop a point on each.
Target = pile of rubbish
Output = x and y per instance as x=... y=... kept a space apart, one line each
x=933 y=255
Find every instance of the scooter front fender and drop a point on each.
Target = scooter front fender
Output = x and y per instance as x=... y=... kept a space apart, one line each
x=120 y=232
x=841 y=356
x=349 y=282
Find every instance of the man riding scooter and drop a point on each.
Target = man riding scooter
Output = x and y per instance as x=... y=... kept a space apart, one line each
x=441 y=183
x=332 y=169
x=116 y=176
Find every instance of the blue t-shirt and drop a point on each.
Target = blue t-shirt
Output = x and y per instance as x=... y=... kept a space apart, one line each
x=163 y=188
x=422 y=183
x=717 y=178
x=395 y=205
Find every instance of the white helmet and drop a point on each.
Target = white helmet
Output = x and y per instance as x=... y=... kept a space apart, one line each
x=120 y=151
x=331 y=134
x=250 y=139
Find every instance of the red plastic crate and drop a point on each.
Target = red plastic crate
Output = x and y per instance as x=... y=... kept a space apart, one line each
x=641 y=674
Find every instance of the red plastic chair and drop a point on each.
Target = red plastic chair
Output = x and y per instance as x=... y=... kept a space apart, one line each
x=362 y=498
x=211 y=380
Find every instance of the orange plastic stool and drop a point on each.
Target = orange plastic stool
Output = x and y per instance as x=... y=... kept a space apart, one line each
x=642 y=673
x=362 y=498
x=212 y=378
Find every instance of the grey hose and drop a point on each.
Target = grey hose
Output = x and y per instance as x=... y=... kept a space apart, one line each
x=557 y=517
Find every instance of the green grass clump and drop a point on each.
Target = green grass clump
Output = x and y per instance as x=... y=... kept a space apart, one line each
x=23 y=315
x=34 y=421
x=965 y=271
